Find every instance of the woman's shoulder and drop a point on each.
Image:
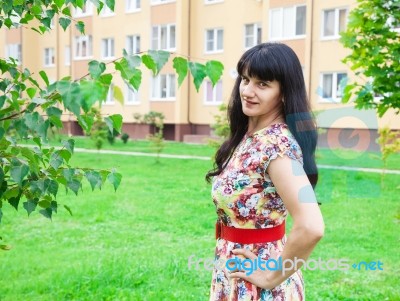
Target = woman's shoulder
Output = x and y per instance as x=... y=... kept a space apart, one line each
x=279 y=140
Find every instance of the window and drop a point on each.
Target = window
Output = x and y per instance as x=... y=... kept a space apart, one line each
x=154 y=2
x=252 y=35
x=133 y=44
x=334 y=21
x=163 y=86
x=106 y=11
x=87 y=10
x=213 y=95
x=49 y=57
x=107 y=48
x=110 y=96
x=83 y=47
x=132 y=5
x=212 y=1
x=214 y=40
x=332 y=85
x=131 y=96
x=287 y=22
x=67 y=56
x=14 y=51
x=163 y=37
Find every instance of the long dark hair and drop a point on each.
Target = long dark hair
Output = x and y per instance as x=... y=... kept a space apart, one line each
x=268 y=62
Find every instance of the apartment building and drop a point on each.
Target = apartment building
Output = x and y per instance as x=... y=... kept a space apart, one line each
x=201 y=30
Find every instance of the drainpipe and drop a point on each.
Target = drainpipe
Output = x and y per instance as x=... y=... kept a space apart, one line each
x=311 y=48
x=188 y=78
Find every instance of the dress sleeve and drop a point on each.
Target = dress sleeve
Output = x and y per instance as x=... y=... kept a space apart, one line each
x=281 y=142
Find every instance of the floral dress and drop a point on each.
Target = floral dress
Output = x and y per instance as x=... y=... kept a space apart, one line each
x=245 y=197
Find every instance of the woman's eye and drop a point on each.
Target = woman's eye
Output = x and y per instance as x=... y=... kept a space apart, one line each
x=245 y=80
x=262 y=84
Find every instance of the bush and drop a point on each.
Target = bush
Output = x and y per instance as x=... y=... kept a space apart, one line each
x=125 y=137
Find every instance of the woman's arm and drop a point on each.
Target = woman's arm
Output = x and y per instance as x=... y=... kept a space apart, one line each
x=293 y=186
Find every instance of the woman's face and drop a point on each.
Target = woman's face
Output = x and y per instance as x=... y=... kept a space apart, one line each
x=259 y=97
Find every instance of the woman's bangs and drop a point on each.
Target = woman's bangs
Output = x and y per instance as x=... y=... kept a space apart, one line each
x=258 y=65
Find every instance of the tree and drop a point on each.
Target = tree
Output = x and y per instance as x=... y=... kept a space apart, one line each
x=28 y=109
x=373 y=35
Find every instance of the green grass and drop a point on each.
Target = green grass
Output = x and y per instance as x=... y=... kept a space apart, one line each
x=134 y=244
x=338 y=157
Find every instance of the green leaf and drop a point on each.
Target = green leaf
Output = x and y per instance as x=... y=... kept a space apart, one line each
x=70 y=95
x=31 y=92
x=56 y=160
x=111 y=4
x=66 y=11
x=149 y=63
x=96 y=69
x=85 y=122
x=59 y=3
x=53 y=187
x=160 y=57
x=80 y=26
x=91 y=91
x=30 y=206
x=43 y=75
x=68 y=209
x=69 y=145
x=46 y=212
x=136 y=79
x=74 y=185
x=180 y=65
x=64 y=22
x=1 y=215
x=114 y=122
x=214 y=71
x=94 y=179
x=118 y=95
x=18 y=173
x=115 y=179
x=198 y=72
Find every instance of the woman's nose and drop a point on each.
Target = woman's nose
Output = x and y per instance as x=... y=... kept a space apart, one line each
x=248 y=90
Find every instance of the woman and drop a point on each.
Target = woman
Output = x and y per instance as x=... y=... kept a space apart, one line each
x=265 y=170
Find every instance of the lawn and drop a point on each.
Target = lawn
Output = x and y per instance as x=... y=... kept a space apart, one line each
x=134 y=244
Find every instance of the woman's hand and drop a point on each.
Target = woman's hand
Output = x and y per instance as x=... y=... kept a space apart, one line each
x=251 y=271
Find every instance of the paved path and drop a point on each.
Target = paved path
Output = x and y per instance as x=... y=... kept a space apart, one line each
x=124 y=153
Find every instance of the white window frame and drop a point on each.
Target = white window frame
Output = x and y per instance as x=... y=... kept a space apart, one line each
x=131 y=6
x=14 y=51
x=208 y=2
x=336 y=34
x=256 y=38
x=87 y=11
x=334 y=98
x=131 y=96
x=281 y=36
x=155 y=94
x=134 y=41
x=49 y=58
x=159 y=2
x=215 y=40
x=214 y=101
x=89 y=44
x=106 y=12
x=67 y=55
x=157 y=39
x=110 y=96
x=107 y=49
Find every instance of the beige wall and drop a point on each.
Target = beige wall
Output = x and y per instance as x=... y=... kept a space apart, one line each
x=191 y=18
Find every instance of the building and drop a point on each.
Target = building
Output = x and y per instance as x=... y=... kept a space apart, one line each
x=201 y=30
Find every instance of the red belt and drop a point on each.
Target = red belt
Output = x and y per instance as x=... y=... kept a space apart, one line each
x=249 y=236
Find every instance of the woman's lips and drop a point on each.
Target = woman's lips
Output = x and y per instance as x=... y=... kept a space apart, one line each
x=250 y=102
